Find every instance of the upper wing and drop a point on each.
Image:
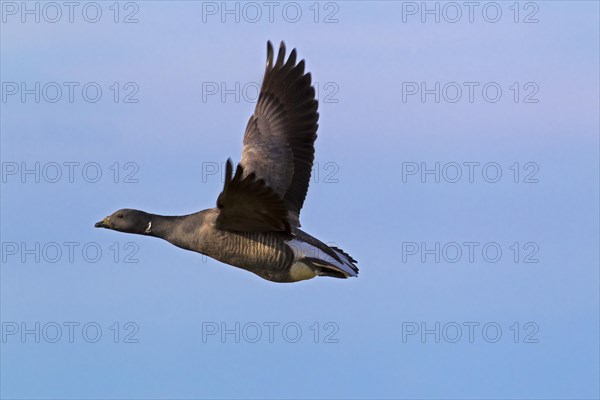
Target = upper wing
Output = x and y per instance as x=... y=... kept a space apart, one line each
x=280 y=136
x=247 y=204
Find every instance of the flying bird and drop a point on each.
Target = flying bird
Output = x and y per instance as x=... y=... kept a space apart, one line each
x=255 y=225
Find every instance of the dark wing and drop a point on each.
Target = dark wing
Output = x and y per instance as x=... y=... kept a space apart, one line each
x=247 y=204
x=280 y=136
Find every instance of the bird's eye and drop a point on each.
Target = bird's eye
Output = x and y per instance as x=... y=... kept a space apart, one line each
x=119 y=215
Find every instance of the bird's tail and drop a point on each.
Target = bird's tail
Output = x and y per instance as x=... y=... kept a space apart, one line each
x=325 y=260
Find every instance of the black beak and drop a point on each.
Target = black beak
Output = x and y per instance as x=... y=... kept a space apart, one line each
x=102 y=224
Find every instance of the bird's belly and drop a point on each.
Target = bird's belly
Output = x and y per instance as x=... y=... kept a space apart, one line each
x=300 y=272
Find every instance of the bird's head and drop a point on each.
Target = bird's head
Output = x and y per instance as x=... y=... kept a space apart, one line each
x=127 y=220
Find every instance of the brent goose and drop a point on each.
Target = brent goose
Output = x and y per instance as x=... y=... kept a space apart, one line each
x=255 y=225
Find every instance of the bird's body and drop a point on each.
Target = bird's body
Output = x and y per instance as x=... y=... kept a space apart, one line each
x=255 y=225
x=271 y=255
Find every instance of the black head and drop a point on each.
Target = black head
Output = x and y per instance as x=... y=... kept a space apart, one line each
x=127 y=220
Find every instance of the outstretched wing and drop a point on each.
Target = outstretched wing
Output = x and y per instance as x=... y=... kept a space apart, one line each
x=247 y=204
x=280 y=136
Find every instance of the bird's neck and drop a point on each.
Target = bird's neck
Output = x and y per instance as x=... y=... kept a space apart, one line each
x=161 y=226
x=174 y=229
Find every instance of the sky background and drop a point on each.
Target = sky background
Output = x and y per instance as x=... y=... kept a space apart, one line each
x=422 y=320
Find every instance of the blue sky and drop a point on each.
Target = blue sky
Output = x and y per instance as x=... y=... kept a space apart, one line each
x=436 y=312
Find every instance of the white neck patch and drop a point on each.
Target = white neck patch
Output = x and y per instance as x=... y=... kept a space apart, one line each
x=148 y=228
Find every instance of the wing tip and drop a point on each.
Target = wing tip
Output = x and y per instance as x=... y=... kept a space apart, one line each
x=280 y=54
x=228 y=171
x=269 y=54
